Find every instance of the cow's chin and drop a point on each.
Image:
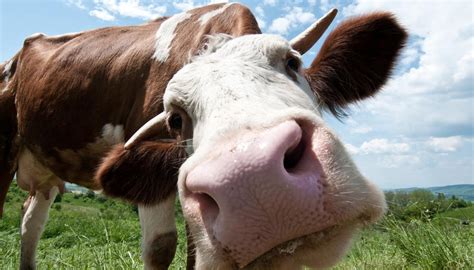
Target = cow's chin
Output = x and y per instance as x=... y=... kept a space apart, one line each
x=317 y=250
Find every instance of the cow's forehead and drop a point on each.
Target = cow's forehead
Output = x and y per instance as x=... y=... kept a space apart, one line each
x=229 y=64
x=252 y=47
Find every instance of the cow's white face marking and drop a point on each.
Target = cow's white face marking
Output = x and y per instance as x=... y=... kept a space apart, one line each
x=206 y=17
x=165 y=35
x=240 y=75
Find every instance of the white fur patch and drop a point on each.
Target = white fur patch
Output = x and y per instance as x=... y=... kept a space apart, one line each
x=206 y=17
x=113 y=134
x=291 y=247
x=157 y=219
x=6 y=70
x=165 y=36
x=33 y=223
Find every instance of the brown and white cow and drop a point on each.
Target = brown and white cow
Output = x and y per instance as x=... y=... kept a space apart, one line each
x=228 y=112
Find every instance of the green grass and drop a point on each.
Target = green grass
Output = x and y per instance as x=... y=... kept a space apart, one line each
x=459 y=214
x=82 y=233
x=92 y=233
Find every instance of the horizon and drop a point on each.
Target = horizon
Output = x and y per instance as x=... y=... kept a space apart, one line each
x=418 y=132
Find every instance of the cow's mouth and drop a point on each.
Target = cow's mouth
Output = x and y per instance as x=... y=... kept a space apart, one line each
x=316 y=250
x=287 y=250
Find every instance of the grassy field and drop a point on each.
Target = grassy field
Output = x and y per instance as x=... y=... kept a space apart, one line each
x=89 y=232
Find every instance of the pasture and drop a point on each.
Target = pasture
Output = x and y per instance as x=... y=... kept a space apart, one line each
x=86 y=231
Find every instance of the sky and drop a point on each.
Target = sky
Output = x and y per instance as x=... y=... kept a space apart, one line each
x=418 y=132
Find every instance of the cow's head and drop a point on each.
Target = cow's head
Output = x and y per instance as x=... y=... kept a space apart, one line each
x=267 y=183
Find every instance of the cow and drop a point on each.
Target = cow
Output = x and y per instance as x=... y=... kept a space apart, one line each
x=204 y=105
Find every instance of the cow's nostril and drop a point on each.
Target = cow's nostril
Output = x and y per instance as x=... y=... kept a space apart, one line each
x=207 y=205
x=293 y=155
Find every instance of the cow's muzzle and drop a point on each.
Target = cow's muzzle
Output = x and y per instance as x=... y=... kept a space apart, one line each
x=261 y=190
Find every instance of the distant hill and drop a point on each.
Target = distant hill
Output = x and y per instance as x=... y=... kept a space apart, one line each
x=465 y=191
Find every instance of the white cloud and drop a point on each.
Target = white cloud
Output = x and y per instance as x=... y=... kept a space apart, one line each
x=261 y=23
x=77 y=3
x=411 y=55
x=324 y=5
x=129 y=8
x=465 y=67
x=356 y=127
x=280 y=25
x=184 y=5
x=214 y=2
x=383 y=146
x=260 y=12
x=260 y=17
x=295 y=17
x=361 y=129
x=397 y=161
x=385 y=153
x=446 y=144
x=270 y=2
x=102 y=14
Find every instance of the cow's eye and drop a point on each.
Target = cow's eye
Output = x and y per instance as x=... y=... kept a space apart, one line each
x=293 y=63
x=175 y=121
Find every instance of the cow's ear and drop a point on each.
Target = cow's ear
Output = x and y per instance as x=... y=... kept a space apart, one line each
x=144 y=174
x=356 y=60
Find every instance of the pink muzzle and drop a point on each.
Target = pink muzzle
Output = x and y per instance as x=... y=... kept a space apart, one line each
x=262 y=190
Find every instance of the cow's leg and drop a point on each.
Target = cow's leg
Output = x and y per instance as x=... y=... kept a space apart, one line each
x=159 y=233
x=36 y=210
x=43 y=187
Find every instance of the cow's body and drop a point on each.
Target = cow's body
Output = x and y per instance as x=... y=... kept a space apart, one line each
x=77 y=95
x=67 y=101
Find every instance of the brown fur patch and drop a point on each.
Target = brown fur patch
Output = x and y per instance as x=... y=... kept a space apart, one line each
x=160 y=252
x=356 y=60
x=145 y=174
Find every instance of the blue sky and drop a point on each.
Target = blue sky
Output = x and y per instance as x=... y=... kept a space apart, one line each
x=417 y=132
